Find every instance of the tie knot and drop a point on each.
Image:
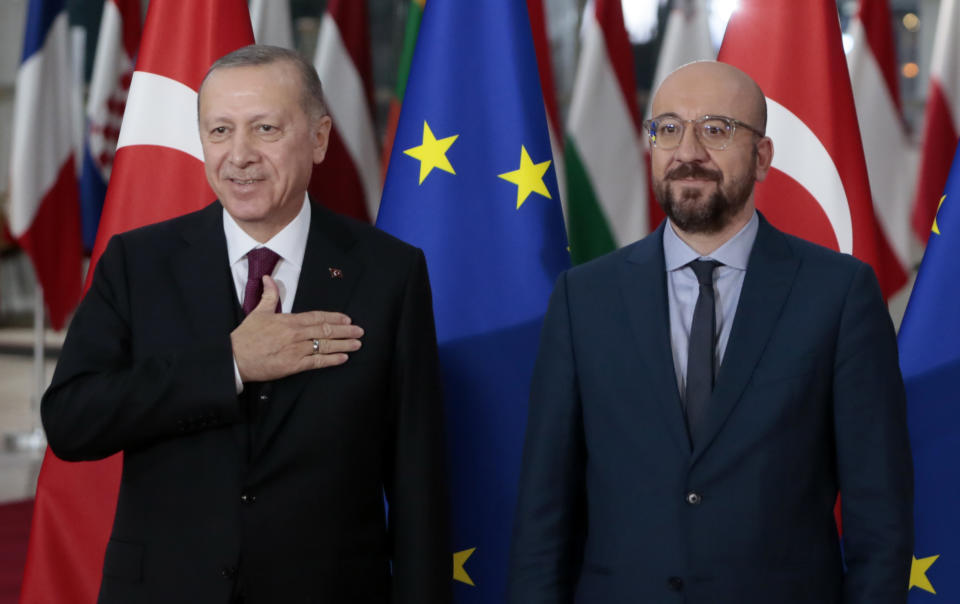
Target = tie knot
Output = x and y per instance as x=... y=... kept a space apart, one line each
x=261 y=261
x=703 y=269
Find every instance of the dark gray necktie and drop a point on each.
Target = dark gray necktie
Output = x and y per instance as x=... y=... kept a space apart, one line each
x=700 y=350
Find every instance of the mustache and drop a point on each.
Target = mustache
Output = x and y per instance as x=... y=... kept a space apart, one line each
x=690 y=170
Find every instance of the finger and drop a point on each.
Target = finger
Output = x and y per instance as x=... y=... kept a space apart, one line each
x=271 y=293
x=327 y=331
x=318 y=317
x=330 y=347
x=319 y=361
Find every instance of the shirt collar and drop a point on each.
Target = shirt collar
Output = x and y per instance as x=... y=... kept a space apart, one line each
x=290 y=243
x=735 y=252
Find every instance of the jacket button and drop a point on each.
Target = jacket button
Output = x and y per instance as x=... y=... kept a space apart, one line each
x=264 y=398
x=675 y=583
x=248 y=498
x=228 y=572
x=694 y=498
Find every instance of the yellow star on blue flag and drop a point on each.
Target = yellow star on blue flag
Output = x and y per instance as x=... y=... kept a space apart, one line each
x=528 y=177
x=432 y=153
x=474 y=78
x=929 y=342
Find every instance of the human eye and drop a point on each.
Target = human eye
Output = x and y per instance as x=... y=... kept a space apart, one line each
x=715 y=129
x=218 y=132
x=668 y=128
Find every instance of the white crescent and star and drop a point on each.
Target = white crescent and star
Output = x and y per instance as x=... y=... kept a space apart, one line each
x=162 y=112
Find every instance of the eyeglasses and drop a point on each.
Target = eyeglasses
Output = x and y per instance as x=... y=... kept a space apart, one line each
x=713 y=131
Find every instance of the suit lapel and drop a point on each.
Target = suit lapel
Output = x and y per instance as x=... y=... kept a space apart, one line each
x=327 y=278
x=643 y=281
x=770 y=273
x=201 y=271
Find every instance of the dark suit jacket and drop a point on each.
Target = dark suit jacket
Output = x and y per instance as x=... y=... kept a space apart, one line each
x=293 y=506
x=616 y=508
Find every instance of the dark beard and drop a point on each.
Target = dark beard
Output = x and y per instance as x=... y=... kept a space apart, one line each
x=709 y=216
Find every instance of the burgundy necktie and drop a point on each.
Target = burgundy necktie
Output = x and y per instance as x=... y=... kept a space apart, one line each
x=260 y=261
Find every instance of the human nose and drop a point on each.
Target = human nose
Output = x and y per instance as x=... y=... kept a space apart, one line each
x=242 y=149
x=690 y=147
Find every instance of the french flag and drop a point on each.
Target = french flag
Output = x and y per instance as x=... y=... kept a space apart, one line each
x=44 y=210
x=113 y=63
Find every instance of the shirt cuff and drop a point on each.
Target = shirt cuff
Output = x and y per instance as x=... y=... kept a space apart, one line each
x=236 y=376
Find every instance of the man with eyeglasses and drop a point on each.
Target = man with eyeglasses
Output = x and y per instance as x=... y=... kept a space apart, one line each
x=702 y=395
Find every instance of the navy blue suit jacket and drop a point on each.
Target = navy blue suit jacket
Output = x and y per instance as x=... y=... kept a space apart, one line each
x=616 y=507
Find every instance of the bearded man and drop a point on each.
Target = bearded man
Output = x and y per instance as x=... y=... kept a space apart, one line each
x=702 y=395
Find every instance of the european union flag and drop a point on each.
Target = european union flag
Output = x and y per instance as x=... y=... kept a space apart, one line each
x=471 y=181
x=930 y=360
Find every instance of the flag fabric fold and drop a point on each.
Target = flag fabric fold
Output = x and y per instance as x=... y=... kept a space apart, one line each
x=930 y=361
x=117 y=45
x=471 y=182
x=541 y=43
x=157 y=174
x=941 y=129
x=410 y=33
x=890 y=154
x=348 y=180
x=818 y=187
x=607 y=193
x=271 y=22
x=44 y=206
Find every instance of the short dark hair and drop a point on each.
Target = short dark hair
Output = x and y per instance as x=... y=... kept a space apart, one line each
x=313 y=100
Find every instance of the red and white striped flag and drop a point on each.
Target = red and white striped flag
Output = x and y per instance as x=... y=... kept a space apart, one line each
x=818 y=188
x=271 y=22
x=44 y=208
x=942 y=122
x=157 y=174
x=541 y=43
x=348 y=180
x=891 y=156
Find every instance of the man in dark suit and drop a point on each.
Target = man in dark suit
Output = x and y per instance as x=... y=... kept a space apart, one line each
x=701 y=396
x=259 y=446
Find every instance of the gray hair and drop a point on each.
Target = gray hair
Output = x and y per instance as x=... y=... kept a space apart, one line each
x=312 y=99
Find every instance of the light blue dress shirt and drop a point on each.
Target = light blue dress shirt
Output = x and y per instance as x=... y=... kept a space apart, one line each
x=683 y=289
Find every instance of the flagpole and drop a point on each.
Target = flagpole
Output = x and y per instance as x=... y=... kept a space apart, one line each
x=34 y=440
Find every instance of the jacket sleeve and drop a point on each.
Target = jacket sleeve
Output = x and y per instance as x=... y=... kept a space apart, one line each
x=104 y=398
x=873 y=450
x=550 y=523
x=416 y=485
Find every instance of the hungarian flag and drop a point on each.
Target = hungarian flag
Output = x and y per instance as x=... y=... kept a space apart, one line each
x=891 y=156
x=686 y=38
x=44 y=206
x=348 y=180
x=541 y=44
x=942 y=121
x=158 y=174
x=271 y=22
x=818 y=188
x=606 y=178
x=117 y=46
x=411 y=30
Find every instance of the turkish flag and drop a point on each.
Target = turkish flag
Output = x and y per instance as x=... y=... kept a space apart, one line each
x=157 y=174
x=818 y=188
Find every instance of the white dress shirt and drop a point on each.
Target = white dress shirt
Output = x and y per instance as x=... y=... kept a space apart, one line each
x=290 y=244
x=683 y=290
